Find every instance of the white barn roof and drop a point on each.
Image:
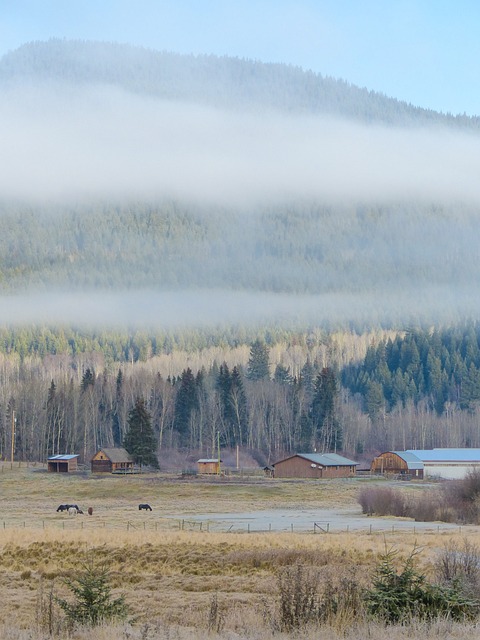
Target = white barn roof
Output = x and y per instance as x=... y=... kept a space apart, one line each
x=445 y=455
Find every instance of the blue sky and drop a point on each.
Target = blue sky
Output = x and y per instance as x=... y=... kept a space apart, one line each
x=425 y=52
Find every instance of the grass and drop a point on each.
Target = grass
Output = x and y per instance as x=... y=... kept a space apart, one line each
x=169 y=577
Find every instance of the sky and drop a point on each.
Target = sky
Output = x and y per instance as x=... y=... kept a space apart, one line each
x=422 y=51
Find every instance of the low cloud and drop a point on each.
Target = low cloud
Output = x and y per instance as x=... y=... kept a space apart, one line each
x=216 y=308
x=62 y=142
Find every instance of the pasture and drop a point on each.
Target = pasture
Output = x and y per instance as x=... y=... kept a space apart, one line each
x=173 y=577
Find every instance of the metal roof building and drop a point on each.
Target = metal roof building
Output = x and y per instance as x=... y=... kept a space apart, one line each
x=62 y=463
x=446 y=463
x=315 y=465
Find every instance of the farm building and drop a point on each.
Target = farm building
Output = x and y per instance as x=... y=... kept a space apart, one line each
x=315 y=465
x=401 y=463
x=209 y=466
x=62 y=463
x=449 y=464
x=112 y=460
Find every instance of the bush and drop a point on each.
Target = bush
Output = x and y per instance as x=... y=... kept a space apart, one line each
x=397 y=597
x=464 y=497
x=460 y=567
x=301 y=601
x=383 y=501
x=298 y=597
x=93 y=604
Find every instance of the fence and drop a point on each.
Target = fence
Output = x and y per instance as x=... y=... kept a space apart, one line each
x=80 y=523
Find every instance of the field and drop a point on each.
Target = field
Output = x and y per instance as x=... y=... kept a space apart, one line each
x=180 y=581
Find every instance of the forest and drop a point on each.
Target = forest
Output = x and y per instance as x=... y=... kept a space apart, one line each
x=321 y=237
x=347 y=392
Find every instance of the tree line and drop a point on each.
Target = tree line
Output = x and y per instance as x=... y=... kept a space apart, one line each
x=413 y=389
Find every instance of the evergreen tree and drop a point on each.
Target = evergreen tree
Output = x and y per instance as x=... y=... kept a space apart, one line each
x=88 y=379
x=258 y=363
x=185 y=403
x=140 y=440
x=328 y=435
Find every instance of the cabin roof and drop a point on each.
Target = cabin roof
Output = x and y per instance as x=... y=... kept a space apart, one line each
x=59 y=457
x=117 y=454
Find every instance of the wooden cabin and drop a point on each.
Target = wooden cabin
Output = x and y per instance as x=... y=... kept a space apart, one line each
x=315 y=465
x=62 y=463
x=209 y=466
x=112 y=460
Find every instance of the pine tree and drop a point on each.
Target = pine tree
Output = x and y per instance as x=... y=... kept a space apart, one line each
x=328 y=432
x=140 y=439
x=258 y=364
x=186 y=403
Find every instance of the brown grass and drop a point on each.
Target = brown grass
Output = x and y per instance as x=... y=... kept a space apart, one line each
x=169 y=577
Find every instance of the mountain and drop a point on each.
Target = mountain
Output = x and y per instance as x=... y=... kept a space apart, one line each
x=126 y=169
x=212 y=80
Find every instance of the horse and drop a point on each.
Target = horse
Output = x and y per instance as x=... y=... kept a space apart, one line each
x=90 y=511
x=63 y=507
x=72 y=511
x=147 y=507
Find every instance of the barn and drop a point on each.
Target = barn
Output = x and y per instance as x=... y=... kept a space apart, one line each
x=315 y=465
x=112 y=460
x=62 y=463
x=446 y=463
x=398 y=463
x=209 y=466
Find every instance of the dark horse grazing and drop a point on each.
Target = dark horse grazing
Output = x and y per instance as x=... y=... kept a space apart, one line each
x=147 y=507
x=66 y=507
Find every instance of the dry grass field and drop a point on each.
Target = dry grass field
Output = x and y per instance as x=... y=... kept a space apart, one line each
x=177 y=583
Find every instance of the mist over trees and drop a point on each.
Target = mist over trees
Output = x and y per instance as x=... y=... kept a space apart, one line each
x=244 y=187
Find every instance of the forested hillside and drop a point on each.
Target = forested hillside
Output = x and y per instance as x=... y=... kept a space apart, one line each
x=297 y=249
x=219 y=81
x=310 y=228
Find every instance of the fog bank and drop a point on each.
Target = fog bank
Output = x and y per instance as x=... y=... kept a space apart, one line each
x=64 y=142
x=210 y=309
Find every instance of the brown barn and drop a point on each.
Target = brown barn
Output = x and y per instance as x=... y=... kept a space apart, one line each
x=112 y=460
x=399 y=463
x=315 y=465
x=62 y=463
x=209 y=466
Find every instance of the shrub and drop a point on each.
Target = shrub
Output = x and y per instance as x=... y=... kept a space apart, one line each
x=464 y=497
x=301 y=601
x=382 y=501
x=401 y=596
x=298 y=595
x=93 y=604
x=460 y=567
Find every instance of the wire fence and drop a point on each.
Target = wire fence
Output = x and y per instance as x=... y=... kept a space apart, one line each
x=79 y=523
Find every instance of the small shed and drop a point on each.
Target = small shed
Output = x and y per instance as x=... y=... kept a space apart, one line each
x=315 y=465
x=62 y=463
x=112 y=460
x=209 y=466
